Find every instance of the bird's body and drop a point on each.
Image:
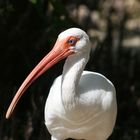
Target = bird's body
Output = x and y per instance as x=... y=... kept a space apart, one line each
x=89 y=115
x=81 y=104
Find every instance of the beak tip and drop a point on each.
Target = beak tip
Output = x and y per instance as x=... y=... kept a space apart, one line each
x=8 y=114
x=7 y=117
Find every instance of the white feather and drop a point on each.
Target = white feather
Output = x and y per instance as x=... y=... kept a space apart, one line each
x=81 y=104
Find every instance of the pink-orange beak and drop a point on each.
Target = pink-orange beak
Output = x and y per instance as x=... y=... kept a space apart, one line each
x=60 y=51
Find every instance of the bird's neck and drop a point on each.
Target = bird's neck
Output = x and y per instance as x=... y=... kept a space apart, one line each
x=72 y=71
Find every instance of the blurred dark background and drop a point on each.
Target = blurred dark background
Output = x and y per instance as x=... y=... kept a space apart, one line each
x=28 y=30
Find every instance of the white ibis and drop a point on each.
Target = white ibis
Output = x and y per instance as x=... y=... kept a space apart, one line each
x=81 y=104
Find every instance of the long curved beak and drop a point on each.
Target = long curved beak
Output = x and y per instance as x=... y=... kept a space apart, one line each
x=60 y=51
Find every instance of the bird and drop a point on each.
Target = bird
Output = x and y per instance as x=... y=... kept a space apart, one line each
x=81 y=104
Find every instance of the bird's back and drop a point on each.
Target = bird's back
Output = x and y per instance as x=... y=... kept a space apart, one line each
x=94 y=114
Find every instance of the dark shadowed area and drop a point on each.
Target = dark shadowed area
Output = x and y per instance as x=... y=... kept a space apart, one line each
x=28 y=30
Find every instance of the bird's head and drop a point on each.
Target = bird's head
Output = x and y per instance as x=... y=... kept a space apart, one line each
x=69 y=42
x=75 y=40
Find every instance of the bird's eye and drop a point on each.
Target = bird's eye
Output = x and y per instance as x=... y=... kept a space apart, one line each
x=72 y=41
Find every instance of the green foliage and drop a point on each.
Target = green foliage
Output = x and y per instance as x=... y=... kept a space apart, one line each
x=33 y=1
